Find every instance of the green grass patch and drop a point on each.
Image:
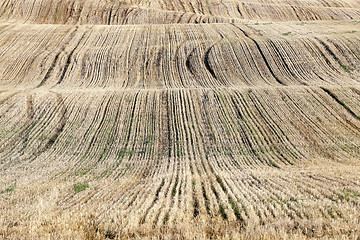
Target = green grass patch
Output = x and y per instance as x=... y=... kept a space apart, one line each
x=80 y=173
x=222 y=211
x=347 y=195
x=235 y=209
x=346 y=69
x=273 y=164
x=173 y=192
x=79 y=187
x=123 y=152
x=9 y=189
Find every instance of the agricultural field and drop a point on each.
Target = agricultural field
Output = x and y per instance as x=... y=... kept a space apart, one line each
x=182 y=119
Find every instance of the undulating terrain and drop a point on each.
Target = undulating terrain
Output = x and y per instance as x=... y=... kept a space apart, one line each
x=177 y=119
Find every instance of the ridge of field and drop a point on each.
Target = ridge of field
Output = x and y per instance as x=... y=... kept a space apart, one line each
x=246 y=127
x=178 y=11
x=206 y=56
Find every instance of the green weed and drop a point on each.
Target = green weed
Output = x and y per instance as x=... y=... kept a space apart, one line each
x=79 y=187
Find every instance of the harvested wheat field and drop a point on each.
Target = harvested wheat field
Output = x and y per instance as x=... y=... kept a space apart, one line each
x=181 y=119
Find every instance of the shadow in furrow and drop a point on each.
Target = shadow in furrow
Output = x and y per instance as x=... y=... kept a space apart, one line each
x=206 y=199
x=328 y=50
x=60 y=126
x=142 y=220
x=169 y=132
x=262 y=55
x=297 y=15
x=221 y=207
x=273 y=45
x=188 y=63
x=333 y=96
x=131 y=120
x=93 y=138
x=29 y=107
x=55 y=61
x=239 y=11
x=207 y=64
x=109 y=18
x=196 y=201
x=50 y=70
x=68 y=60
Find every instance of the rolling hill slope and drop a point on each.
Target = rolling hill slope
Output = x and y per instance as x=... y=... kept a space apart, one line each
x=179 y=119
